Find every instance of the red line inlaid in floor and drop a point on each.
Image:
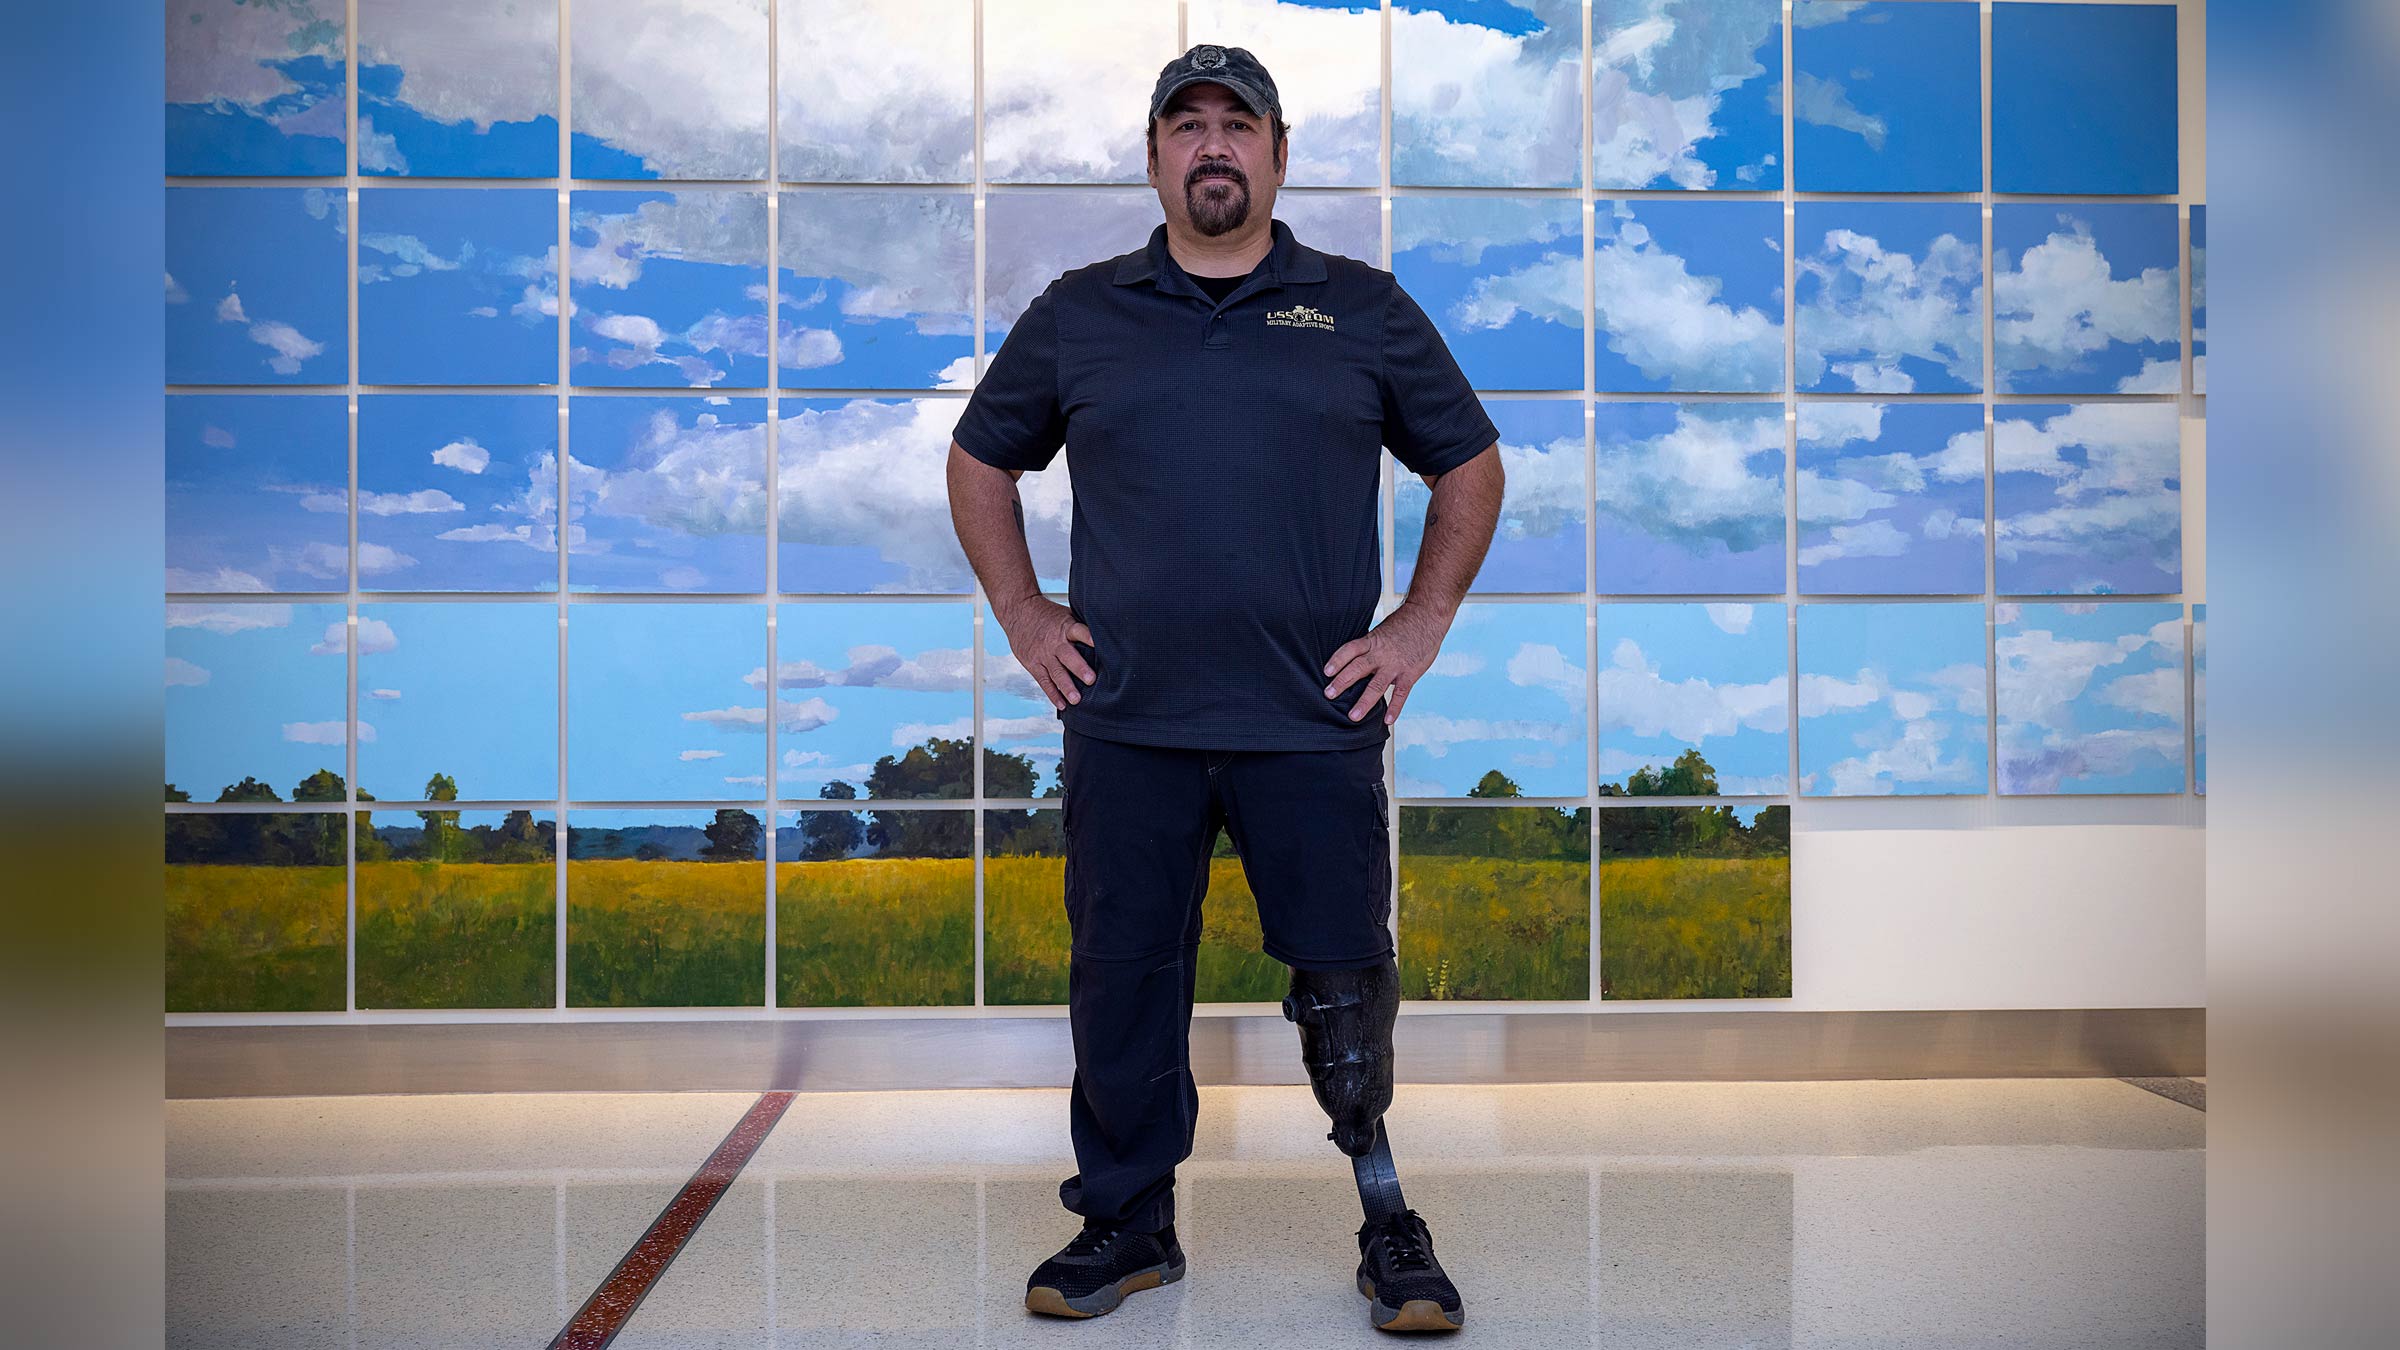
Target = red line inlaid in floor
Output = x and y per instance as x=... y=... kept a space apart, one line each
x=604 y=1314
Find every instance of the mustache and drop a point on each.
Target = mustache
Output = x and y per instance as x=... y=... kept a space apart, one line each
x=1201 y=171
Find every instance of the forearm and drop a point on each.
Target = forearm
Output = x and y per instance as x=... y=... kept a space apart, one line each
x=1458 y=531
x=989 y=516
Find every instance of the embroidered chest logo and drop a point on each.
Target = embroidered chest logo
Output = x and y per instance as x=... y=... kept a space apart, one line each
x=1301 y=316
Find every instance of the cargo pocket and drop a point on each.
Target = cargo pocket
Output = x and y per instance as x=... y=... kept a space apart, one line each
x=1379 y=868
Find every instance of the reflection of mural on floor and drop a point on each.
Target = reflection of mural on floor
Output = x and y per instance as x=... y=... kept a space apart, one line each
x=1696 y=902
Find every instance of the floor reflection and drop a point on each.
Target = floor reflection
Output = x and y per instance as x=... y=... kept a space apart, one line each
x=1991 y=1213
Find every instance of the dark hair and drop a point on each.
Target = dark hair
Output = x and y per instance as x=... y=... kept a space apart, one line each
x=1150 y=134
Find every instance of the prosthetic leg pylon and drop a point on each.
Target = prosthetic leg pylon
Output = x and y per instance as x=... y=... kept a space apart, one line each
x=1346 y=1019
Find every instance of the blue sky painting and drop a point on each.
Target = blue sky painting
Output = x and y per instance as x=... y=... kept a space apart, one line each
x=1892 y=700
x=2087 y=499
x=1684 y=95
x=464 y=688
x=256 y=691
x=1712 y=678
x=1891 y=498
x=458 y=286
x=1065 y=88
x=670 y=288
x=875 y=93
x=1687 y=296
x=1888 y=297
x=458 y=88
x=1506 y=696
x=667 y=494
x=2083 y=98
x=458 y=492
x=1334 y=99
x=2085 y=298
x=1502 y=280
x=1890 y=96
x=1690 y=498
x=667 y=702
x=257 y=492
x=856 y=681
x=1348 y=223
x=255 y=88
x=2199 y=299
x=2090 y=696
x=876 y=289
x=864 y=505
x=669 y=88
x=255 y=289
x=1538 y=543
x=1030 y=238
x=1485 y=93
x=1017 y=716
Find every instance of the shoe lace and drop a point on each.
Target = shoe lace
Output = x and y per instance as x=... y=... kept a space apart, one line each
x=1090 y=1240
x=1406 y=1241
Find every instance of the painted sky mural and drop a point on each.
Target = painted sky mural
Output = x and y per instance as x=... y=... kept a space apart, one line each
x=1761 y=540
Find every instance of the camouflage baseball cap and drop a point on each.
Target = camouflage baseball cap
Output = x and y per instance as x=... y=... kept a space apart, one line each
x=1233 y=67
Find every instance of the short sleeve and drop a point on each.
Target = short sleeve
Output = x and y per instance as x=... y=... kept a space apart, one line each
x=1013 y=419
x=1432 y=421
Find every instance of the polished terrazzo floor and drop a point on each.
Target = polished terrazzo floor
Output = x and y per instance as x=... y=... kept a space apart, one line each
x=2018 y=1213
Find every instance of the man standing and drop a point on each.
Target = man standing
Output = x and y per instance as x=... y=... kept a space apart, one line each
x=1228 y=391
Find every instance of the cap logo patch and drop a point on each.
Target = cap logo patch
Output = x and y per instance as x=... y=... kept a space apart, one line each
x=1209 y=57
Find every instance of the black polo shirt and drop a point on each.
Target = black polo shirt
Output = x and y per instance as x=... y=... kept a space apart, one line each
x=1225 y=460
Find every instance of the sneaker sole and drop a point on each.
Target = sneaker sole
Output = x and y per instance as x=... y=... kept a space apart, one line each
x=1041 y=1298
x=1416 y=1314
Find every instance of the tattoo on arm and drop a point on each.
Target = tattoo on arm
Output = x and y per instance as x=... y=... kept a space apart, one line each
x=1016 y=507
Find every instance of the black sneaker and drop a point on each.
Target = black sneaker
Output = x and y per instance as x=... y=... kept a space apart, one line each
x=1404 y=1284
x=1101 y=1265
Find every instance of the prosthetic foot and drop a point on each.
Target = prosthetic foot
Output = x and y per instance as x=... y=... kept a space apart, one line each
x=1346 y=1019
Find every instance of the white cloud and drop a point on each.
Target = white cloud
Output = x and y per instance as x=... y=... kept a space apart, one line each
x=176 y=294
x=323 y=733
x=870 y=474
x=222 y=579
x=1667 y=321
x=1539 y=665
x=845 y=120
x=1634 y=698
x=1660 y=74
x=180 y=671
x=690 y=755
x=1879 y=306
x=463 y=455
x=680 y=83
x=227 y=619
x=1453 y=662
x=1473 y=104
x=1065 y=88
x=387 y=695
x=223 y=55
x=1692 y=484
x=422 y=502
x=2056 y=303
x=877 y=666
x=1435 y=734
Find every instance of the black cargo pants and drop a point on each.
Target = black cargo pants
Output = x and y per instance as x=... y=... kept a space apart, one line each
x=1312 y=828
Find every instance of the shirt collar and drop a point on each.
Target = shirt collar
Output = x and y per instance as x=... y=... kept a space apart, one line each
x=1288 y=260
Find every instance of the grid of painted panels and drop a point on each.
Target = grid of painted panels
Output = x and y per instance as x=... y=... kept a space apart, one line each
x=1792 y=509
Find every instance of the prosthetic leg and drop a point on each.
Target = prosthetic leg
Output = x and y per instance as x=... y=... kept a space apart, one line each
x=1346 y=1019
